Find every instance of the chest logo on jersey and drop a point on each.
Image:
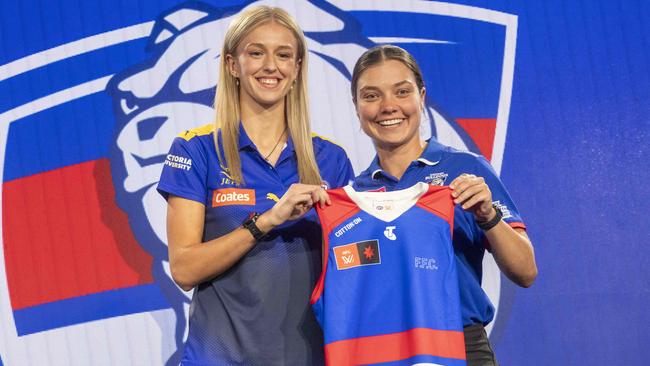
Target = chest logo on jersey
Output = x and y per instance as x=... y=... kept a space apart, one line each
x=273 y=197
x=226 y=179
x=388 y=233
x=233 y=196
x=362 y=253
x=436 y=179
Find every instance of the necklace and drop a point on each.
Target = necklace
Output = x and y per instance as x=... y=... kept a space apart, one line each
x=276 y=144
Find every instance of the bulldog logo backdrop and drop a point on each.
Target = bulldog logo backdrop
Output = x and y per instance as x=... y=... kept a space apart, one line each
x=92 y=95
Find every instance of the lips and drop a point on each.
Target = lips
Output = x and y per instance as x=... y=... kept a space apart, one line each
x=268 y=82
x=391 y=122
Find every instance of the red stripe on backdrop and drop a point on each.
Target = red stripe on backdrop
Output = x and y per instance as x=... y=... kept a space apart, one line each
x=64 y=236
x=396 y=346
x=481 y=130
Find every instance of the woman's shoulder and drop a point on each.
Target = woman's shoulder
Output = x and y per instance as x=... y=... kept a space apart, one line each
x=470 y=162
x=197 y=133
x=197 y=138
x=325 y=145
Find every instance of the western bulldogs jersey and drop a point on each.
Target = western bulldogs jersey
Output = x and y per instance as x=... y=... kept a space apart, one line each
x=388 y=293
x=256 y=312
x=440 y=165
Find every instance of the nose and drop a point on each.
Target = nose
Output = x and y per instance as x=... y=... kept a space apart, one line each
x=388 y=105
x=269 y=64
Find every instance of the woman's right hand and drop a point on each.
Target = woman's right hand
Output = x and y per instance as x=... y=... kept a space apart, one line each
x=298 y=199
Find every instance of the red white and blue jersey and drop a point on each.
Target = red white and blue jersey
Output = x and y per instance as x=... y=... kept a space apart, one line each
x=257 y=312
x=388 y=293
x=439 y=165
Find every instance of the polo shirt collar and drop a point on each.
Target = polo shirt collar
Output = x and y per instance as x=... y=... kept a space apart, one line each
x=431 y=155
x=246 y=143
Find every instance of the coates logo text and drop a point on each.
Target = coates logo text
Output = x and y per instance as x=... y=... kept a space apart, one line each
x=233 y=196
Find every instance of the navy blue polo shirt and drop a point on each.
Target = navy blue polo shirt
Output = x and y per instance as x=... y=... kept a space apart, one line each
x=257 y=312
x=440 y=165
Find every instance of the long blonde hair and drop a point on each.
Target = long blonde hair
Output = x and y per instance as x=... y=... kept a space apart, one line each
x=296 y=105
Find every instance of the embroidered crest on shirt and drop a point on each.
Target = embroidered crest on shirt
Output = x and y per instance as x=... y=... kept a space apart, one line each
x=436 y=179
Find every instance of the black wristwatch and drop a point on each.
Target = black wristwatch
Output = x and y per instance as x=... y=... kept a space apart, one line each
x=487 y=225
x=250 y=225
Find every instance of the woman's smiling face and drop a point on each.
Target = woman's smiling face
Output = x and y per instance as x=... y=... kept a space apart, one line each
x=266 y=64
x=389 y=104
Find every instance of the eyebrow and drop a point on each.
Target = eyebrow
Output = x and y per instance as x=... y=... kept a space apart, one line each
x=402 y=83
x=260 y=45
x=398 y=84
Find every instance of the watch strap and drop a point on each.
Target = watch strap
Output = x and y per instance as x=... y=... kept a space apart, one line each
x=487 y=225
x=250 y=225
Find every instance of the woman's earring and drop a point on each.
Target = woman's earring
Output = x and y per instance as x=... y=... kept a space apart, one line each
x=237 y=81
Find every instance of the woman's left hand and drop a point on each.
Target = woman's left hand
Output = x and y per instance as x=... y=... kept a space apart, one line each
x=474 y=195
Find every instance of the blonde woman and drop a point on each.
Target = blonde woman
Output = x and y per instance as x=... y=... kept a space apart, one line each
x=239 y=194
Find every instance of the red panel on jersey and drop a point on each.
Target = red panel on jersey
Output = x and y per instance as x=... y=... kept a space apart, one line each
x=64 y=236
x=396 y=346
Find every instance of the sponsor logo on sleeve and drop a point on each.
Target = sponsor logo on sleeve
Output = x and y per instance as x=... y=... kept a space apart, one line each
x=233 y=196
x=362 y=253
x=178 y=162
x=504 y=210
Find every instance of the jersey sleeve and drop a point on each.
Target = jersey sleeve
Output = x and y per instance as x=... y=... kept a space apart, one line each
x=500 y=195
x=184 y=172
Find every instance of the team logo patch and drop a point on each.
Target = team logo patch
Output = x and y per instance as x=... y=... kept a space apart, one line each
x=357 y=254
x=436 y=179
x=233 y=196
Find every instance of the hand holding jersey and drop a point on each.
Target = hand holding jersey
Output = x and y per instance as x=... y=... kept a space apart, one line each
x=473 y=194
x=298 y=199
x=510 y=247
